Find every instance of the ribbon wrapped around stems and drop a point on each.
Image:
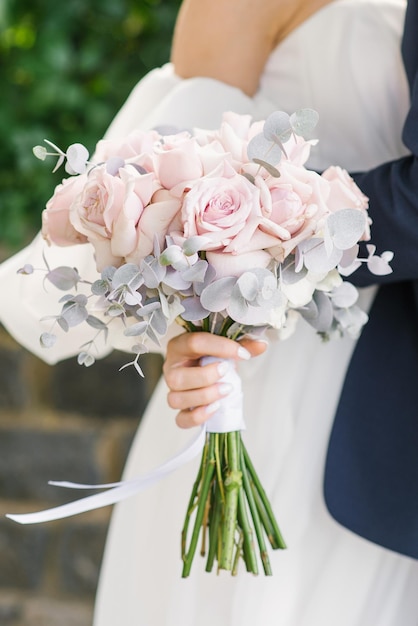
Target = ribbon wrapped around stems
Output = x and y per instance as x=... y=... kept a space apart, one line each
x=226 y=493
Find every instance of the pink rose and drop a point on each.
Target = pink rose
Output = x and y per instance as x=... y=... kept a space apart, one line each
x=219 y=208
x=136 y=143
x=108 y=209
x=226 y=264
x=293 y=206
x=177 y=161
x=56 y=225
x=345 y=194
x=157 y=220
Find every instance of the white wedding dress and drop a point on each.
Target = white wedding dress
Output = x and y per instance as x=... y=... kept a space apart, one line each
x=344 y=62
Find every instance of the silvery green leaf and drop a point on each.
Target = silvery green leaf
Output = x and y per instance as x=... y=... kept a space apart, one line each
x=351 y=320
x=133 y=298
x=378 y=266
x=128 y=274
x=238 y=307
x=115 y=310
x=139 y=348
x=47 y=340
x=96 y=323
x=58 y=164
x=304 y=121
x=74 y=313
x=193 y=310
x=249 y=177
x=315 y=256
x=175 y=280
x=325 y=312
x=152 y=272
x=86 y=359
x=194 y=244
x=135 y=329
x=273 y=171
x=99 y=287
x=80 y=299
x=158 y=322
x=62 y=322
x=345 y=295
x=148 y=308
x=216 y=296
x=309 y=311
x=277 y=125
x=209 y=278
x=261 y=148
x=346 y=227
x=77 y=157
x=288 y=273
x=195 y=273
x=40 y=152
x=138 y=368
x=26 y=269
x=171 y=255
x=114 y=164
x=63 y=277
x=151 y=334
x=248 y=286
x=108 y=273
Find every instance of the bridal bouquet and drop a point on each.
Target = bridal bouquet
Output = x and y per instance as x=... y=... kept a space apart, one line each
x=224 y=231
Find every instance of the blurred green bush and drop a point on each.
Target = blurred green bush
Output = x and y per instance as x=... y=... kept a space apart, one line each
x=65 y=69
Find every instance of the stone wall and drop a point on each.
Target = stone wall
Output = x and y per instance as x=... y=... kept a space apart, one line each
x=60 y=422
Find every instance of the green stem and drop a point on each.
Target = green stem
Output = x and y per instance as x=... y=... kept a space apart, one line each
x=208 y=471
x=232 y=486
x=279 y=541
x=215 y=515
x=256 y=519
x=248 y=545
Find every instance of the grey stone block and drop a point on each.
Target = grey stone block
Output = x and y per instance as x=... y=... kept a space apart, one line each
x=22 y=557
x=79 y=556
x=102 y=390
x=13 y=390
x=30 y=458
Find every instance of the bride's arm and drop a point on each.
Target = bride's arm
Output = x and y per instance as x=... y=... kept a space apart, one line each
x=228 y=40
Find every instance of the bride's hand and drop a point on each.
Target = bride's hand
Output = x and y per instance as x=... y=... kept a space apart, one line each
x=195 y=390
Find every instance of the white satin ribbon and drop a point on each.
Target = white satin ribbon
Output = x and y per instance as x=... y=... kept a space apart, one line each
x=227 y=418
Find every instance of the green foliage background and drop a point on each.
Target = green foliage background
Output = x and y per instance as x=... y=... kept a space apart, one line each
x=65 y=69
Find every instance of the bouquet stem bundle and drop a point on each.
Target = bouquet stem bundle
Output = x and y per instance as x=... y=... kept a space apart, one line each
x=232 y=511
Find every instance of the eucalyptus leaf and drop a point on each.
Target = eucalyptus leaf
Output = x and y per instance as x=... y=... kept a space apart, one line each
x=115 y=310
x=346 y=227
x=216 y=296
x=95 y=322
x=26 y=269
x=273 y=171
x=148 y=308
x=74 y=313
x=63 y=277
x=193 y=310
x=40 y=152
x=99 y=287
x=158 y=322
x=261 y=148
x=277 y=125
x=127 y=274
x=194 y=244
x=248 y=286
x=135 y=329
x=195 y=273
x=345 y=295
x=47 y=340
x=86 y=359
x=77 y=157
x=304 y=121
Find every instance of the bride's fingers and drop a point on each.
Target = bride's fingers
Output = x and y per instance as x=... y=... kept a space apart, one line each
x=191 y=346
x=194 y=377
x=196 y=416
x=198 y=397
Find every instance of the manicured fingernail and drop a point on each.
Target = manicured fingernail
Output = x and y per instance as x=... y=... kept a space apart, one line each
x=224 y=389
x=211 y=408
x=243 y=353
x=223 y=367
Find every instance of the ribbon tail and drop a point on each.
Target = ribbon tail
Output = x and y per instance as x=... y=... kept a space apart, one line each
x=117 y=491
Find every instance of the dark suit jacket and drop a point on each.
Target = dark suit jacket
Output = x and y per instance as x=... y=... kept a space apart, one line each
x=371 y=473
